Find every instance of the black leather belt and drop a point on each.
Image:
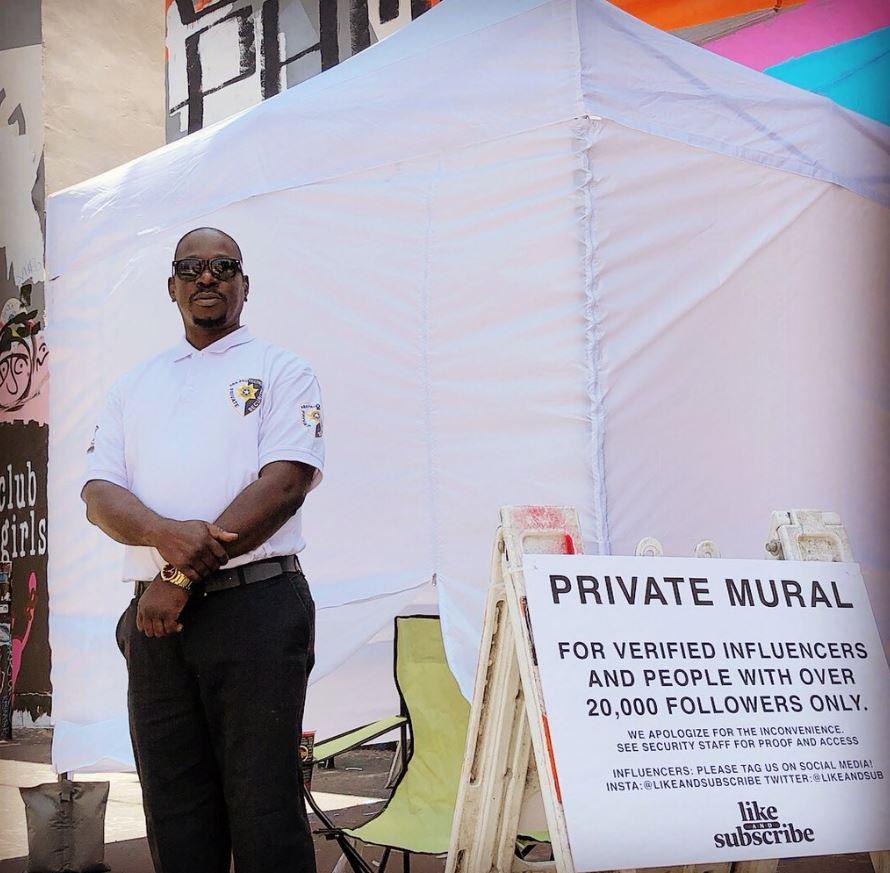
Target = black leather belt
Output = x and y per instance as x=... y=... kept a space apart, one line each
x=236 y=577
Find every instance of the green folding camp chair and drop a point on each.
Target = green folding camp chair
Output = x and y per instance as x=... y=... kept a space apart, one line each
x=417 y=817
x=324 y=753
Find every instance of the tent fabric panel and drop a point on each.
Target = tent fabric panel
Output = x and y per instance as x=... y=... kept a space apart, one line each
x=97 y=746
x=89 y=674
x=347 y=627
x=505 y=355
x=767 y=306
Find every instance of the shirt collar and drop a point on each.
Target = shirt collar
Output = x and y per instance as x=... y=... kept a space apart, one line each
x=185 y=349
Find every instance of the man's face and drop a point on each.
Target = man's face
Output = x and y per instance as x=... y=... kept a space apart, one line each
x=205 y=301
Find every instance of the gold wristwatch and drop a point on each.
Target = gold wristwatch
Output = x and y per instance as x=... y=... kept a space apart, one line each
x=171 y=574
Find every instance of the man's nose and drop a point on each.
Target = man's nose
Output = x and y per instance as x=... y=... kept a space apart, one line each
x=206 y=278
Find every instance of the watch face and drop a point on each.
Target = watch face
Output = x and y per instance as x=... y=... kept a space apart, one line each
x=168 y=572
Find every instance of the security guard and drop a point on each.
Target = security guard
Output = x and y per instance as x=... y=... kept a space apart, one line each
x=200 y=463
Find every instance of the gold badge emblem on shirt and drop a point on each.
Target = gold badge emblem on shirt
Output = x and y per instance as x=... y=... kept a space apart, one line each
x=312 y=416
x=246 y=395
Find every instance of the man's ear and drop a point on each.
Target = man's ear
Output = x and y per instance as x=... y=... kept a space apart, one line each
x=246 y=286
x=171 y=289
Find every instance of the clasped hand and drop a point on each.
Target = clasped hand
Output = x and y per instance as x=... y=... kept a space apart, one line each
x=195 y=547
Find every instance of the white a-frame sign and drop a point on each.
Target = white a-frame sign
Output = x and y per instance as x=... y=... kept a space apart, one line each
x=501 y=775
x=510 y=790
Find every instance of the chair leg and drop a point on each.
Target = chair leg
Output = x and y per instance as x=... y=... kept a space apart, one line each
x=350 y=853
x=352 y=856
x=384 y=859
x=406 y=861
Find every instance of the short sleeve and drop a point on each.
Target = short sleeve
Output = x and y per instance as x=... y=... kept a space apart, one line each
x=105 y=454
x=291 y=421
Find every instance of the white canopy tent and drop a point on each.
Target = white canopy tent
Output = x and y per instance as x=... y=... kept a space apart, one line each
x=538 y=252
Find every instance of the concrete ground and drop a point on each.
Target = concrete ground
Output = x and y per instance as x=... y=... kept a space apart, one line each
x=349 y=794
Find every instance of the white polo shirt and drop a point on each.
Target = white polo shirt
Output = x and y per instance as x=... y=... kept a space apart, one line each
x=188 y=430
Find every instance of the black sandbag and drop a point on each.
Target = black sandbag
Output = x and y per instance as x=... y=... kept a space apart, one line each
x=66 y=827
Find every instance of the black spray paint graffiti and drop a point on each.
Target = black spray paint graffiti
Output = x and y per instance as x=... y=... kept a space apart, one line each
x=194 y=67
x=17 y=116
x=343 y=29
x=23 y=355
x=23 y=351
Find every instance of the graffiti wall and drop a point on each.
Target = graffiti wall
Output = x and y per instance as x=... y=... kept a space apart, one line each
x=23 y=352
x=23 y=540
x=225 y=56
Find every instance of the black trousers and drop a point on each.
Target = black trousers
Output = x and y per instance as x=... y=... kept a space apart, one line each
x=215 y=719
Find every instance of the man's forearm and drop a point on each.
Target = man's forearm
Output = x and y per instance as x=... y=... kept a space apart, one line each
x=121 y=514
x=265 y=505
x=199 y=547
x=195 y=547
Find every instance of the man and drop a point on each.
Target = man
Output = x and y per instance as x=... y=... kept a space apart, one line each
x=200 y=463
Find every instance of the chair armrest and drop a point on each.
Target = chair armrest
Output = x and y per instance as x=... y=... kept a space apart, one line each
x=352 y=739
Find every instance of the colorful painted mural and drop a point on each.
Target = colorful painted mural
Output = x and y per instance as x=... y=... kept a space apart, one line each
x=838 y=48
x=227 y=55
x=677 y=14
x=23 y=354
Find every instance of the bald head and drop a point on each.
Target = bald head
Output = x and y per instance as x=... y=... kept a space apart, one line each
x=206 y=235
x=211 y=293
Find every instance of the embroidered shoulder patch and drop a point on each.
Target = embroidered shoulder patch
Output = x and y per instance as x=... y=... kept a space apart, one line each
x=246 y=394
x=312 y=416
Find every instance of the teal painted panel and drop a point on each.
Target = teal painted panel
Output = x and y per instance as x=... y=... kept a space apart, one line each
x=854 y=74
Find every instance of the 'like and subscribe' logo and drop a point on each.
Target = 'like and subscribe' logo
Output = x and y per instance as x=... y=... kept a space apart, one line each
x=761 y=827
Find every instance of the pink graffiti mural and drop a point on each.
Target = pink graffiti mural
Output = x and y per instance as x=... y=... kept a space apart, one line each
x=21 y=630
x=23 y=544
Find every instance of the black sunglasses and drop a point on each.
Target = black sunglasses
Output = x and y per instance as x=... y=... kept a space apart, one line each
x=220 y=268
